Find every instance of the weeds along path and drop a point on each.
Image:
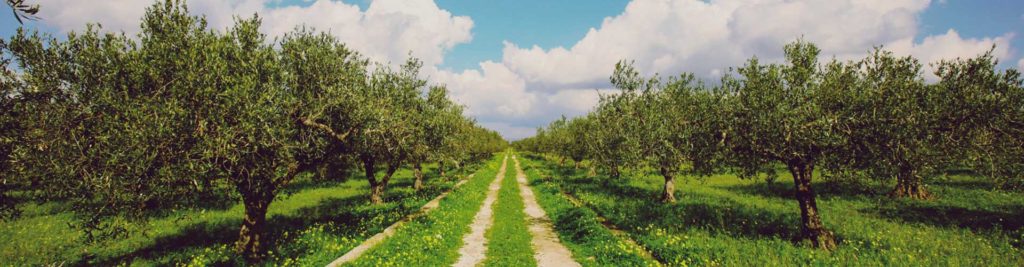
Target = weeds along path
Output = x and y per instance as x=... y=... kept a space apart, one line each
x=475 y=243
x=547 y=249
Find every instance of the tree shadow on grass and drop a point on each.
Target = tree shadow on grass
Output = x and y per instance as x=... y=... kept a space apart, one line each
x=630 y=206
x=824 y=190
x=635 y=208
x=1003 y=218
x=351 y=215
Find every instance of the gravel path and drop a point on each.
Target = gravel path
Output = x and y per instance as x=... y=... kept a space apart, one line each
x=548 y=250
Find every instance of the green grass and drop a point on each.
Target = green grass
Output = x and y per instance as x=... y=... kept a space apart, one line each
x=723 y=220
x=313 y=225
x=434 y=239
x=509 y=238
x=579 y=228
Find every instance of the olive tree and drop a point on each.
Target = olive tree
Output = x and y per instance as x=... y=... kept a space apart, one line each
x=178 y=119
x=326 y=78
x=439 y=125
x=895 y=127
x=613 y=122
x=984 y=109
x=676 y=122
x=388 y=135
x=114 y=123
x=10 y=130
x=776 y=115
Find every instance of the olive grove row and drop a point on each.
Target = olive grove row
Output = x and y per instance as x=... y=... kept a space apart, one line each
x=181 y=116
x=877 y=118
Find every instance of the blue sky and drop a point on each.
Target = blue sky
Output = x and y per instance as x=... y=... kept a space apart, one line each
x=517 y=65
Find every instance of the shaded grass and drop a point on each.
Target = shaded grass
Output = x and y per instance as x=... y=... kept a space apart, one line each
x=312 y=224
x=509 y=239
x=727 y=221
x=578 y=227
x=434 y=239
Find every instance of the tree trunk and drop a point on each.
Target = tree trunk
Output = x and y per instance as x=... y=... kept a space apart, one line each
x=576 y=165
x=812 y=227
x=668 y=194
x=908 y=185
x=613 y=171
x=376 y=187
x=251 y=238
x=561 y=161
x=593 y=170
x=417 y=171
x=440 y=169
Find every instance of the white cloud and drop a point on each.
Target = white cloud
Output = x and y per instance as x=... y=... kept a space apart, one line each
x=1020 y=64
x=950 y=46
x=707 y=37
x=388 y=30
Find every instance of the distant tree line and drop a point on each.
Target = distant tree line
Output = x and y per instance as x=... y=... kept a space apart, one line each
x=180 y=116
x=877 y=117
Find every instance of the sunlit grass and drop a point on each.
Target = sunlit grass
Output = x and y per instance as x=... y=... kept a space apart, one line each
x=434 y=239
x=311 y=226
x=723 y=220
x=509 y=238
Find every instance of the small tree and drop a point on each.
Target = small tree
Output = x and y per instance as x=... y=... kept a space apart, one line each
x=393 y=103
x=894 y=122
x=439 y=126
x=776 y=116
x=613 y=123
x=983 y=109
x=676 y=124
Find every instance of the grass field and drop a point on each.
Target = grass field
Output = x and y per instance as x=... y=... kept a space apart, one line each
x=312 y=225
x=723 y=220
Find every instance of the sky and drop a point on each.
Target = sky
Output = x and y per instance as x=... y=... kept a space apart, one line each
x=517 y=65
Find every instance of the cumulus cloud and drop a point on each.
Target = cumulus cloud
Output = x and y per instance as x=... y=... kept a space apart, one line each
x=1020 y=64
x=707 y=37
x=387 y=31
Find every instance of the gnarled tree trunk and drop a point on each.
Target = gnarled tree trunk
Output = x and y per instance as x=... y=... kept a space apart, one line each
x=417 y=171
x=377 y=187
x=668 y=194
x=252 y=236
x=812 y=227
x=908 y=185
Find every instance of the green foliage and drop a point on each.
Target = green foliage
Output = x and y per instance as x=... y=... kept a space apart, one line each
x=181 y=116
x=984 y=109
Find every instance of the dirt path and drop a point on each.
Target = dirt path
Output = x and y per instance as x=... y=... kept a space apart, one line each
x=548 y=250
x=373 y=241
x=474 y=245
